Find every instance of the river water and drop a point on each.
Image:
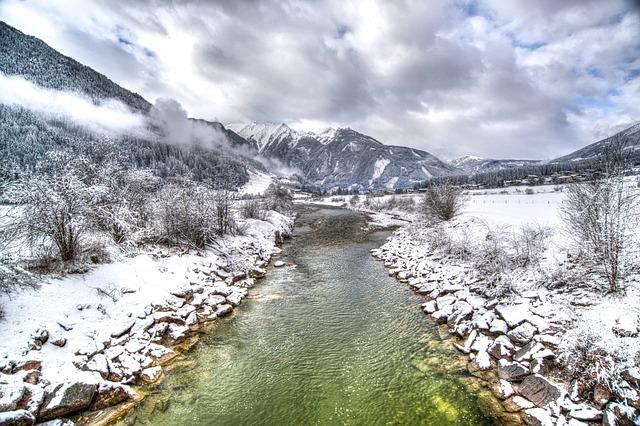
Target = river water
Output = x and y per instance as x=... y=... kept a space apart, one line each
x=332 y=340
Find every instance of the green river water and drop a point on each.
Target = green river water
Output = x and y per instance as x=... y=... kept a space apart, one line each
x=332 y=340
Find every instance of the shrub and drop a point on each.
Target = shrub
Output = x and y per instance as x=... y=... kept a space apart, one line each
x=529 y=191
x=278 y=198
x=252 y=209
x=442 y=202
x=186 y=215
x=354 y=200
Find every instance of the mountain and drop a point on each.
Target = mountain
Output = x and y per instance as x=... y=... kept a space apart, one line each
x=32 y=142
x=34 y=60
x=629 y=136
x=344 y=157
x=471 y=164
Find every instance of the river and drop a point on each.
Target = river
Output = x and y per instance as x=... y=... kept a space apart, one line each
x=330 y=339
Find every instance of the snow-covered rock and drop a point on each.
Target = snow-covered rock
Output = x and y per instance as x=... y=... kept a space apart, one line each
x=522 y=334
x=67 y=398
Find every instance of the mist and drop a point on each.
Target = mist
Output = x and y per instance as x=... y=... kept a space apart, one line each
x=108 y=116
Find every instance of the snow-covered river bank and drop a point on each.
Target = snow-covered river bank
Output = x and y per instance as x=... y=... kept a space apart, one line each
x=77 y=343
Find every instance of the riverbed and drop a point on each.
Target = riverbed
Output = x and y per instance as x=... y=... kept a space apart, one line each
x=327 y=339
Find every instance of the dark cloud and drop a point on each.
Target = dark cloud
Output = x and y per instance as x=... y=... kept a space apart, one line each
x=485 y=77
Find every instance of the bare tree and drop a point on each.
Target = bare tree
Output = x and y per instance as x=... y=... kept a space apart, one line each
x=442 y=202
x=601 y=215
x=252 y=209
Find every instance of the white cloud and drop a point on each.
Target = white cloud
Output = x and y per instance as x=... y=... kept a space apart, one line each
x=110 y=116
x=487 y=77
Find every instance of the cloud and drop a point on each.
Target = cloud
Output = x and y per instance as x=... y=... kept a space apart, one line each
x=485 y=77
x=111 y=116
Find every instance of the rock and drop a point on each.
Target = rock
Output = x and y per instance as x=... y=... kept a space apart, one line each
x=498 y=327
x=548 y=339
x=175 y=335
x=10 y=395
x=537 y=417
x=514 y=315
x=39 y=338
x=527 y=351
x=502 y=389
x=522 y=334
x=601 y=396
x=429 y=307
x=517 y=403
x=234 y=299
x=110 y=394
x=278 y=263
x=223 y=309
x=632 y=375
x=501 y=347
x=17 y=418
x=539 y=390
x=625 y=326
x=618 y=414
x=26 y=365
x=461 y=312
x=59 y=342
x=122 y=329
x=151 y=374
x=483 y=360
x=183 y=292
x=540 y=366
x=586 y=413
x=67 y=398
x=512 y=371
x=475 y=301
x=445 y=300
x=98 y=363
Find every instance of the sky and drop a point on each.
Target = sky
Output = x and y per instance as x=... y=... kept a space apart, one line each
x=493 y=78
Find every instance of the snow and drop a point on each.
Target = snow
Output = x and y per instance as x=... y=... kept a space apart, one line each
x=257 y=184
x=378 y=168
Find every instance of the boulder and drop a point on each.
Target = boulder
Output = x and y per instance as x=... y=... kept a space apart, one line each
x=122 y=329
x=10 y=394
x=151 y=374
x=586 y=413
x=445 y=300
x=527 y=352
x=514 y=315
x=502 y=389
x=539 y=390
x=67 y=398
x=17 y=418
x=540 y=366
x=501 y=347
x=537 y=417
x=278 y=263
x=517 y=403
x=223 y=309
x=461 y=312
x=498 y=327
x=618 y=414
x=601 y=396
x=429 y=307
x=522 y=334
x=110 y=394
x=512 y=371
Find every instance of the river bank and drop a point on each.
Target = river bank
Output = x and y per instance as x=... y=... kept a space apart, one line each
x=328 y=338
x=542 y=335
x=102 y=332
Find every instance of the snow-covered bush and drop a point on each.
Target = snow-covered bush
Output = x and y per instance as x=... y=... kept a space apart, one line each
x=252 y=209
x=442 y=202
x=592 y=353
x=528 y=245
x=55 y=217
x=186 y=215
x=278 y=198
x=354 y=200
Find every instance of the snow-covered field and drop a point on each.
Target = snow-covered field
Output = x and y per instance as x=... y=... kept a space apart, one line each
x=75 y=341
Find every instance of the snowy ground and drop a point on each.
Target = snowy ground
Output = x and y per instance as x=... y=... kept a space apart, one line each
x=117 y=323
x=258 y=183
